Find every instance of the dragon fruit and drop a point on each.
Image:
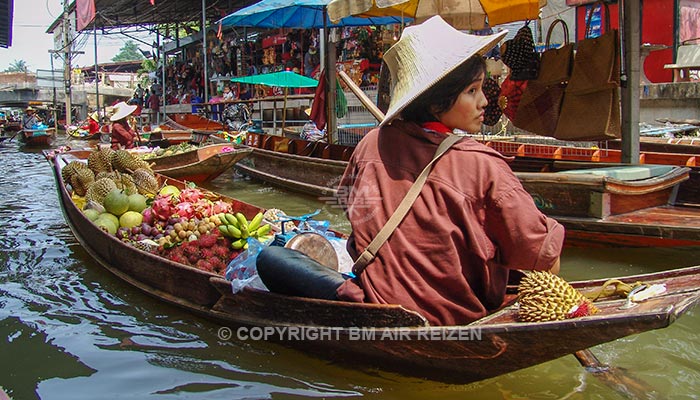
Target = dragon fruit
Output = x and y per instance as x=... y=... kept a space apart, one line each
x=221 y=206
x=203 y=208
x=148 y=215
x=190 y=195
x=185 y=210
x=162 y=208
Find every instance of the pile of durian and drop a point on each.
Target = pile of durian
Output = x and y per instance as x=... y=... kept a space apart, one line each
x=108 y=169
x=543 y=296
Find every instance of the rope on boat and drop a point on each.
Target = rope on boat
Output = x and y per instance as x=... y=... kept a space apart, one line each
x=614 y=287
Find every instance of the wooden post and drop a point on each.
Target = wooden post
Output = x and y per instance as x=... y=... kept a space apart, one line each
x=630 y=28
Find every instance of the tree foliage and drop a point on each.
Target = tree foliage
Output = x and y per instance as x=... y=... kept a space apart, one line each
x=128 y=52
x=17 y=66
x=147 y=66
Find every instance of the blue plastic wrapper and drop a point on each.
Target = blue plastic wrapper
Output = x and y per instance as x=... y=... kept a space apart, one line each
x=242 y=272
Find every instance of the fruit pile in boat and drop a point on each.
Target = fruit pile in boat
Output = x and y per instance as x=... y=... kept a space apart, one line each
x=158 y=152
x=120 y=193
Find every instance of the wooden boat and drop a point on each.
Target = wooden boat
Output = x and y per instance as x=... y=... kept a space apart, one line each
x=307 y=167
x=73 y=133
x=180 y=128
x=202 y=164
x=37 y=137
x=659 y=209
x=12 y=126
x=384 y=336
x=198 y=126
x=165 y=137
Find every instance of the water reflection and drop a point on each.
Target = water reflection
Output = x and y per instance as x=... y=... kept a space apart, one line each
x=73 y=331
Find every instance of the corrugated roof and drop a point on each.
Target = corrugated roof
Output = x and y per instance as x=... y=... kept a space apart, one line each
x=114 y=14
x=6 y=15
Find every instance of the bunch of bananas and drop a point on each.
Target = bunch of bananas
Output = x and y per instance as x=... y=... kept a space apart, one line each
x=239 y=229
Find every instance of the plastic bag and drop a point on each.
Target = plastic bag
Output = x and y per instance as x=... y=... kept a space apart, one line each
x=242 y=272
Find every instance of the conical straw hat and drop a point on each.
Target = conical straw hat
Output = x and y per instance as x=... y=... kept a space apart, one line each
x=424 y=55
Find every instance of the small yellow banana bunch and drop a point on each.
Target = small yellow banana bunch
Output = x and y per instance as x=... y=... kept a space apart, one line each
x=237 y=227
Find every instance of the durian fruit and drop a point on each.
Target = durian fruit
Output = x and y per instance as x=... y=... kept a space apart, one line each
x=99 y=189
x=543 y=296
x=145 y=182
x=100 y=160
x=81 y=180
x=70 y=169
x=104 y=174
x=125 y=182
x=123 y=161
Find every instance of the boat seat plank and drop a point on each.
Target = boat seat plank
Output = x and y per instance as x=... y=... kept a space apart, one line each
x=626 y=173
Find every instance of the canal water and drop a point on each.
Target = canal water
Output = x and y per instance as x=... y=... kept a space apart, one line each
x=69 y=330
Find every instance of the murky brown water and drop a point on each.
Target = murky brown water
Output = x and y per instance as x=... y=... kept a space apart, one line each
x=69 y=330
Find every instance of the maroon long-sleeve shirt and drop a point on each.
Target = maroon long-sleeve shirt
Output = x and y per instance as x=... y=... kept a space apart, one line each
x=123 y=134
x=449 y=258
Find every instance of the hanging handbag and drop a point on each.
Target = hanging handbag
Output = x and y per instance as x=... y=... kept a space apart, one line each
x=511 y=93
x=591 y=107
x=520 y=55
x=540 y=106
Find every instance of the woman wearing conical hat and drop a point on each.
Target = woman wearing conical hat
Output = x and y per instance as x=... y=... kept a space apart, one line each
x=472 y=222
x=92 y=124
x=123 y=135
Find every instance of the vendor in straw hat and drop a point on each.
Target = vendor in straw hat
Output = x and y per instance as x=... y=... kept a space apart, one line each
x=123 y=135
x=30 y=118
x=92 y=124
x=472 y=222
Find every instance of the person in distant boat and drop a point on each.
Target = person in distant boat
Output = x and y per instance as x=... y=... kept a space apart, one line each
x=92 y=124
x=30 y=118
x=123 y=135
x=472 y=223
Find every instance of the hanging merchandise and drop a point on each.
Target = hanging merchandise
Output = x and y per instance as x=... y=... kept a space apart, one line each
x=511 y=93
x=341 y=102
x=540 y=105
x=591 y=107
x=492 y=112
x=520 y=56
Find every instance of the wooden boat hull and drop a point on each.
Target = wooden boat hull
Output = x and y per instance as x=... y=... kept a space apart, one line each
x=166 y=137
x=37 y=137
x=94 y=136
x=490 y=347
x=384 y=336
x=201 y=165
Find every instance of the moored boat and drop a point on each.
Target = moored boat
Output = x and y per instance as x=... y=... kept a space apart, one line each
x=202 y=164
x=386 y=336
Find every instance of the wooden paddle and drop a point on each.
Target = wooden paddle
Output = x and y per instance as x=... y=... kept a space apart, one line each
x=616 y=378
x=16 y=133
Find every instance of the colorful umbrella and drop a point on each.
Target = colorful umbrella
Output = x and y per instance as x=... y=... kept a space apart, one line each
x=297 y=14
x=283 y=79
x=462 y=14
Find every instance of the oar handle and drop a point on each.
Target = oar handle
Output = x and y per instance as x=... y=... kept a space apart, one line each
x=373 y=109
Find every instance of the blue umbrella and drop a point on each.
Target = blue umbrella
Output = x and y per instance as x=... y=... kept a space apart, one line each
x=305 y=14
x=285 y=79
